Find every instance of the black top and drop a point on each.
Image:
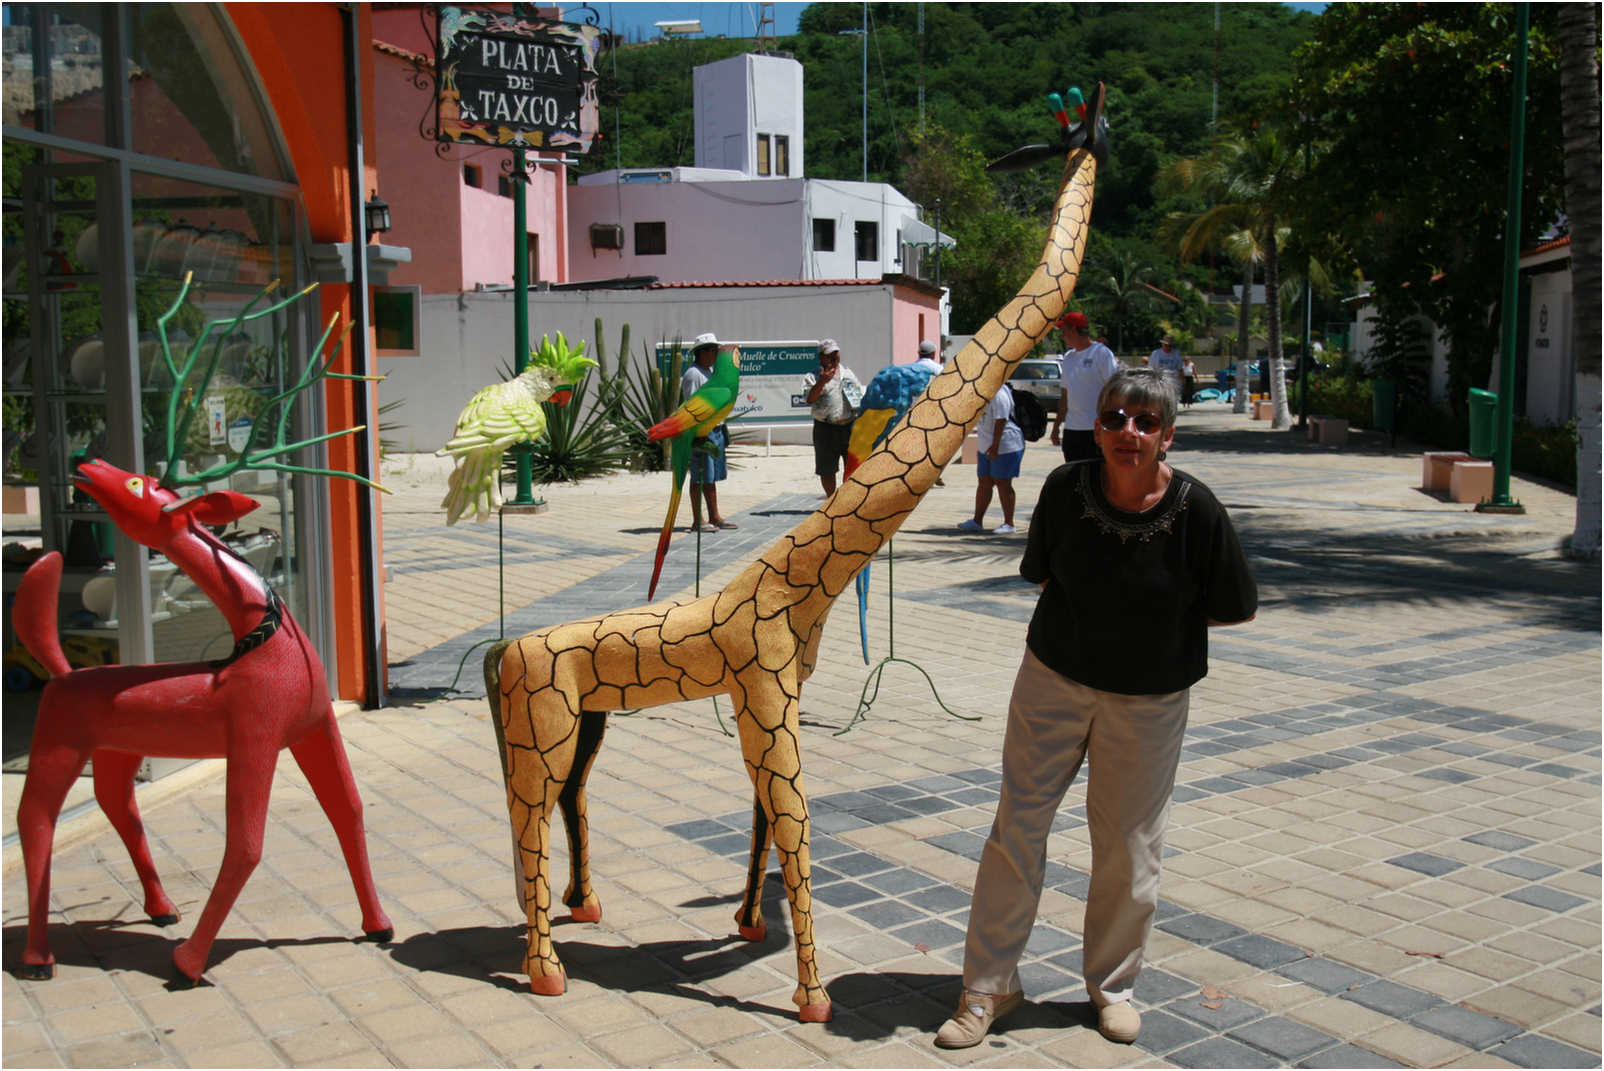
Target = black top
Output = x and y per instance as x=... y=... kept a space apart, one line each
x=1130 y=595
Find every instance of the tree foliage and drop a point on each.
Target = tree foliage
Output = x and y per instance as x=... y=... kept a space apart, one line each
x=986 y=69
x=1410 y=104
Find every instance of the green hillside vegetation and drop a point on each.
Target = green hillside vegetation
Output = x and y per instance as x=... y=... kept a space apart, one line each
x=987 y=69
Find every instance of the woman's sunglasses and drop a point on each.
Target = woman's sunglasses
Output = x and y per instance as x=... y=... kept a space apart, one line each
x=1116 y=419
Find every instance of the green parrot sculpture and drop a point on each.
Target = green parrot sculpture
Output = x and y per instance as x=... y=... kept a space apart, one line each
x=504 y=414
x=694 y=419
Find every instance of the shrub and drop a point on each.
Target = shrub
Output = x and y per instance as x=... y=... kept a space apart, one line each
x=1548 y=452
x=637 y=398
x=1341 y=395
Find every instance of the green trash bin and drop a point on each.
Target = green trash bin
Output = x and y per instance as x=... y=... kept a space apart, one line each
x=1483 y=406
x=1383 y=403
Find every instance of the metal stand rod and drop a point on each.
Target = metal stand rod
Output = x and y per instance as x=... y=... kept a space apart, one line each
x=501 y=597
x=865 y=699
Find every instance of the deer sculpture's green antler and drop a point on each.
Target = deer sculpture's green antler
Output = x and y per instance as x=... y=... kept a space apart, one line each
x=187 y=398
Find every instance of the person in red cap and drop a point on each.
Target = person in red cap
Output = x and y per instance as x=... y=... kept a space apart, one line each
x=1084 y=367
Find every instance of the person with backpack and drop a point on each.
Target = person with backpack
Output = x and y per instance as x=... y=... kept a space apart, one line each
x=1002 y=447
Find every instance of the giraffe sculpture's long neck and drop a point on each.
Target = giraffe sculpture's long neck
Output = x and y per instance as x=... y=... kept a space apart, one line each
x=818 y=558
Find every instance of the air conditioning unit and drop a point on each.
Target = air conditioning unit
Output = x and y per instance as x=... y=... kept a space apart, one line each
x=606 y=236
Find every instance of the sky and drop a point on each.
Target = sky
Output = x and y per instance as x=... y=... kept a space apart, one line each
x=635 y=20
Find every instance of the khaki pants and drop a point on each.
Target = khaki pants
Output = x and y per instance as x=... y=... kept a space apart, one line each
x=1134 y=742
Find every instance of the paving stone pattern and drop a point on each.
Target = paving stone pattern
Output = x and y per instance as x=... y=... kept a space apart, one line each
x=1383 y=850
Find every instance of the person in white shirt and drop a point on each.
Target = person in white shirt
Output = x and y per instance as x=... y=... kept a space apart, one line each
x=1086 y=365
x=833 y=394
x=1167 y=359
x=1002 y=447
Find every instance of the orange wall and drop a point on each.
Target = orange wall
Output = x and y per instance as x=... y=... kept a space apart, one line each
x=299 y=52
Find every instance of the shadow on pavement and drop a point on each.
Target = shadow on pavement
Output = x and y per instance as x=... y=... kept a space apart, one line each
x=140 y=946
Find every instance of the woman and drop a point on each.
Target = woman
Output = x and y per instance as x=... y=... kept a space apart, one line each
x=1188 y=382
x=1135 y=560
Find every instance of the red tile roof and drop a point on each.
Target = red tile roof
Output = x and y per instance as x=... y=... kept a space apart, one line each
x=1555 y=243
x=765 y=282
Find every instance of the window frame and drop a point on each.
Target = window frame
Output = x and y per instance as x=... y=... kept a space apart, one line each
x=866 y=229
x=819 y=247
x=650 y=248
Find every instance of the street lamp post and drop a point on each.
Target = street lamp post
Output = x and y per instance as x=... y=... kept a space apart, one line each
x=1504 y=417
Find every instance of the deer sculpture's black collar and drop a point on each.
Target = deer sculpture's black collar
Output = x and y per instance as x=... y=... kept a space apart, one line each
x=272 y=621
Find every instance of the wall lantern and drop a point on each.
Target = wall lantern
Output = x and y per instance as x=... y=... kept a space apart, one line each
x=376 y=215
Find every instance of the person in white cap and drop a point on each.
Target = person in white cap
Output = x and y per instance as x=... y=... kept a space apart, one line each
x=833 y=393
x=707 y=466
x=927 y=357
x=1167 y=359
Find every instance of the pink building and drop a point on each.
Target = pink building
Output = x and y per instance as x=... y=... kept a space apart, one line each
x=454 y=211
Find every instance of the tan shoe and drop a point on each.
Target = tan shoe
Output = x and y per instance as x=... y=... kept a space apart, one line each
x=1119 y=1022
x=976 y=1012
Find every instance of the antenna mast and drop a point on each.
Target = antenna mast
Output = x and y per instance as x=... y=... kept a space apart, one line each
x=765 y=28
x=921 y=70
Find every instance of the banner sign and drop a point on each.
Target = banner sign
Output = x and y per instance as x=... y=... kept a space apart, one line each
x=519 y=83
x=771 y=378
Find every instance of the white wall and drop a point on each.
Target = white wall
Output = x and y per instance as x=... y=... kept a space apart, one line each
x=738 y=98
x=716 y=230
x=848 y=203
x=740 y=230
x=468 y=337
x=1550 y=360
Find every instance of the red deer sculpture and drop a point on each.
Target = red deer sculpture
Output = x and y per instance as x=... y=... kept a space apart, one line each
x=270 y=693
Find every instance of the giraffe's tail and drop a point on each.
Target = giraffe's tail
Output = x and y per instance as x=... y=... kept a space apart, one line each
x=662 y=539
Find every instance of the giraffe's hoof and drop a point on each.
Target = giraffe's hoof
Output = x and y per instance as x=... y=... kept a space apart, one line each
x=36 y=972
x=548 y=985
x=755 y=933
x=585 y=913
x=815 y=1013
x=169 y=919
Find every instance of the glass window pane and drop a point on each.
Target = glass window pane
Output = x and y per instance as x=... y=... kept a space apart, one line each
x=190 y=98
x=232 y=245
x=53 y=71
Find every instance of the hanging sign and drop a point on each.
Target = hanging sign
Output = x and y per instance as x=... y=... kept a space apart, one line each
x=515 y=82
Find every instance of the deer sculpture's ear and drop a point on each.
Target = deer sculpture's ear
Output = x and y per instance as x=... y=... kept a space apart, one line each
x=216 y=507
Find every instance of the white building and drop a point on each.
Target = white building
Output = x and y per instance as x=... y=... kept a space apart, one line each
x=744 y=212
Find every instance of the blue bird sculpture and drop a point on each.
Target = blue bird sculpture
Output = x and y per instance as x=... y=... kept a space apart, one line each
x=887 y=397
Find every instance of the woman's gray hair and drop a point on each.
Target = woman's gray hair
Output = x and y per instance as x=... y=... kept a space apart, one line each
x=1141 y=386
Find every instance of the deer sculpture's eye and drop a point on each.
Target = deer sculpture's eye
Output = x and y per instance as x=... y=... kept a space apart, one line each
x=136 y=487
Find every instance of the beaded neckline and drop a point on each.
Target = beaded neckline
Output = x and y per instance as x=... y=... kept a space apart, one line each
x=1128 y=526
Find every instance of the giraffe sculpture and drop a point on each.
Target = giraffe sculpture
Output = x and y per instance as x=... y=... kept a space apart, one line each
x=757 y=640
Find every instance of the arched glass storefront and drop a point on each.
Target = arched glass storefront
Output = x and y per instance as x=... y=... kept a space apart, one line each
x=139 y=151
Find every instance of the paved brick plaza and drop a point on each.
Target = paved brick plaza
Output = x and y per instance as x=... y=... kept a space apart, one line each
x=1384 y=849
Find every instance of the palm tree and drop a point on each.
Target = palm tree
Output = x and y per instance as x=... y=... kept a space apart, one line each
x=1579 y=114
x=1123 y=287
x=1246 y=178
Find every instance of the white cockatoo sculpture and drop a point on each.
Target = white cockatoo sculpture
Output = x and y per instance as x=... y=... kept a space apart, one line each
x=501 y=416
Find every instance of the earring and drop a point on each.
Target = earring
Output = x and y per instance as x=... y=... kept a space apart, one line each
x=1162 y=454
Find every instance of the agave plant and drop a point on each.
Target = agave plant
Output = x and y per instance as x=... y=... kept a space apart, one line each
x=638 y=397
x=581 y=439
